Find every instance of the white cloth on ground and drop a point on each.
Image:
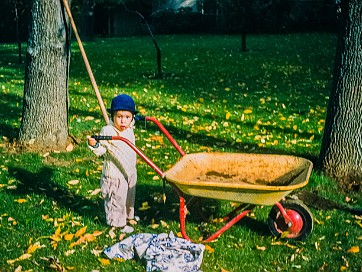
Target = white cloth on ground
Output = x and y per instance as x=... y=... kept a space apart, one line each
x=162 y=252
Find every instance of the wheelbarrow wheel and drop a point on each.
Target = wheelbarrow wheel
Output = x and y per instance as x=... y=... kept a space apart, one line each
x=302 y=221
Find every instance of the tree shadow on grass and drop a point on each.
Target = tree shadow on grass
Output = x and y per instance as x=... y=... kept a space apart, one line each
x=41 y=183
x=169 y=211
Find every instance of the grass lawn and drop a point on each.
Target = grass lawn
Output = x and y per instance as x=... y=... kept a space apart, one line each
x=270 y=99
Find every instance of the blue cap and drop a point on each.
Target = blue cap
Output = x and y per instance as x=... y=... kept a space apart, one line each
x=123 y=102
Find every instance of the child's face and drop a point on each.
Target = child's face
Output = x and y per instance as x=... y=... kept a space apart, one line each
x=122 y=119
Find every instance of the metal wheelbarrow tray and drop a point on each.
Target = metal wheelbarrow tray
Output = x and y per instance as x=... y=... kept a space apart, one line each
x=260 y=179
x=249 y=179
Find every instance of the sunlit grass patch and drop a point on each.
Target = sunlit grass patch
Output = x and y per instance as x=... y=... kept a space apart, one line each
x=270 y=99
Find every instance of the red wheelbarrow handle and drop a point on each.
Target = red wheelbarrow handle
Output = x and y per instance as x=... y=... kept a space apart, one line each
x=135 y=149
x=163 y=129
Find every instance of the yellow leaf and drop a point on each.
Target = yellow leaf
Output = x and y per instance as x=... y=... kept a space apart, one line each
x=260 y=247
x=24 y=257
x=54 y=244
x=89 y=237
x=78 y=242
x=21 y=200
x=97 y=233
x=145 y=206
x=155 y=226
x=68 y=237
x=57 y=232
x=32 y=248
x=354 y=249
x=104 y=261
x=227 y=89
x=228 y=114
x=247 y=111
x=11 y=261
x=81 y=231
x=209 y=249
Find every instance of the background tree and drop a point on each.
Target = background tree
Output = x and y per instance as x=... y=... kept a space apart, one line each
x=341 y=152
x=45 y=104
x=87 y=22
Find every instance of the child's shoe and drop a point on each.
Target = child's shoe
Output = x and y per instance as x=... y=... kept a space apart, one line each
x=127 y=229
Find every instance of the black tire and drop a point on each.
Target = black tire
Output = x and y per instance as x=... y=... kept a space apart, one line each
x=279 y=228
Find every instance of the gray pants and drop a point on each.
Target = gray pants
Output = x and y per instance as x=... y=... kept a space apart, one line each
x=119 y=198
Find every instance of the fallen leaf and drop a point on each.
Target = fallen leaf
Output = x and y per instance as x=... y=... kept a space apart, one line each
x=104 y=261
x=132 y=222
x=21 y=200
x=97 y=233
x=260 y=247
x=155 y=226
x=111 y=233
x=73 y=182
x=95 y=192
x=209 y=249
x=69 y=148
x=32 y=248
x=144 y=207
x=68 y=237
x=69 y=252
x=81 y=231
x=96 y=252
x=89 y=237
x=354 y=249
x=121 y=236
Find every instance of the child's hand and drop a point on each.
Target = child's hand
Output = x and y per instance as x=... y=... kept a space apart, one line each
x=92 y=141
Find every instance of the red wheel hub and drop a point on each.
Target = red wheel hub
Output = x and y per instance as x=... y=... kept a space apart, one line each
x=297 y=221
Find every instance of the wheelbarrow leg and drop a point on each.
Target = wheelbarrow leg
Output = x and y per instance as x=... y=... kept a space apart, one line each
x=183 y=213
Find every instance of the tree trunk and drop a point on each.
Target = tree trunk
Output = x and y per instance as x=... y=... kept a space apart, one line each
x=45 y=103
x=341 y=152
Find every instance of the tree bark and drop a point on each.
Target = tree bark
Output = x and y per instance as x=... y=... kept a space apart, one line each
x=341 y=152
x=45 y=103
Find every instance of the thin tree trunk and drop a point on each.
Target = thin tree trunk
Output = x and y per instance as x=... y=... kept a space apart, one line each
x=45 y=103
x=341 y=153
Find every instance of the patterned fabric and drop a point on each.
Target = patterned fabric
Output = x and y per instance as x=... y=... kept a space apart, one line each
x=119 y=175
x=162 y=252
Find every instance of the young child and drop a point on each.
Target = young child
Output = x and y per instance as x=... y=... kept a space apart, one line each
x=119 y=174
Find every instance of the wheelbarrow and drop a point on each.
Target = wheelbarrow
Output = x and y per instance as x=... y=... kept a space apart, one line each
x=248 y=179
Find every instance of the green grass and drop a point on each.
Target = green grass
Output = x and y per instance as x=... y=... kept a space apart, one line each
x=271 y=99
